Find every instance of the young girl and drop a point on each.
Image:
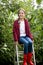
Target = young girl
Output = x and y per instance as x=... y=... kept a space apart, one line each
x=21 y=33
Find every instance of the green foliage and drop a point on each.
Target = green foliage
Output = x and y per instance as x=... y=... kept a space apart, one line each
x=6 y=55
x=8 y=10
x=39 y=1
x=37 y=30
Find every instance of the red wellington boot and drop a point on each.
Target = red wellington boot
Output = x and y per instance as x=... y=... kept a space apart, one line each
x=25 y=60
x=29 y=57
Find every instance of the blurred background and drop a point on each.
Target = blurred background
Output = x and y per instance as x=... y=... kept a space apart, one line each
x=8 y=13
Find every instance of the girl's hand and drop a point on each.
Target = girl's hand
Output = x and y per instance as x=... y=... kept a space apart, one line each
x=33 y=41
x=16 y=43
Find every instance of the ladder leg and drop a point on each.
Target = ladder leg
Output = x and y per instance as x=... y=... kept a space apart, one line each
x=34 y=54
x=17 y=54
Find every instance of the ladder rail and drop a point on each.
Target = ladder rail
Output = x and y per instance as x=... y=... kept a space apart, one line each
x=33 y=54
x=17 y=54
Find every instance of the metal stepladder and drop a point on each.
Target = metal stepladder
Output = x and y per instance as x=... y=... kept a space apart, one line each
x=18 y=53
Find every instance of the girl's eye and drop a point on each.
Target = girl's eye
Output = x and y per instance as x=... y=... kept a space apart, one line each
x=22 y=13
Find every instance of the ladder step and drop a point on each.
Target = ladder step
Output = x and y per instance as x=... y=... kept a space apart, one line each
x=18 y=61
x=20 y=51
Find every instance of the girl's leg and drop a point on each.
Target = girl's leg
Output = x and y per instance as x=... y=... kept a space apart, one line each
x=29 y=44
x=29 y=55
x=25 y=42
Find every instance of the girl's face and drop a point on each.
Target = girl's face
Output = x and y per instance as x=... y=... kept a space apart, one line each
x=21 y=14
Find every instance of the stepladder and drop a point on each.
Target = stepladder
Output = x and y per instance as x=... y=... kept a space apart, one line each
x=18 y=54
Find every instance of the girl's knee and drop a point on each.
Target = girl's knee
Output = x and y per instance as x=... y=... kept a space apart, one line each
x=31 y=41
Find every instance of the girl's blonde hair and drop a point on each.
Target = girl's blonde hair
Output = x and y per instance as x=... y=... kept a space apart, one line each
x=21 y=9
